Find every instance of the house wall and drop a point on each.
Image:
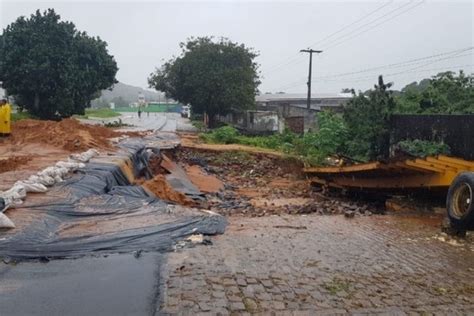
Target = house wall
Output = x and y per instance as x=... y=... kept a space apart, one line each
x=254 y=122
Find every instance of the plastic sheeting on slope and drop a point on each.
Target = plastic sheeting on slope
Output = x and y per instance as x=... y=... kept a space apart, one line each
x=98 y=196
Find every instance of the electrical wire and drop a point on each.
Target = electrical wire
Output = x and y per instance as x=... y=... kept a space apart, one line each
x=372 y=27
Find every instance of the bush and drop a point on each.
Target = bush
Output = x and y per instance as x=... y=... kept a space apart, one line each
x=223 y=135
x=423 y=148
x=21 y=116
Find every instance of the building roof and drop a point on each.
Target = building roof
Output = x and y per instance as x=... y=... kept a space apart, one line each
x=300 y=96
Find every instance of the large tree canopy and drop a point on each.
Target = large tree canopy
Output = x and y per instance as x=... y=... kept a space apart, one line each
x=52 y=69
x=215 y=77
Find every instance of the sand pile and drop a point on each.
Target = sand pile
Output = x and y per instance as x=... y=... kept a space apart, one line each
x=68 y=134
x=162 y=189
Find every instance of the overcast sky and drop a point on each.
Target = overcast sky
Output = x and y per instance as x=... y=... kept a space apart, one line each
x=354 y=35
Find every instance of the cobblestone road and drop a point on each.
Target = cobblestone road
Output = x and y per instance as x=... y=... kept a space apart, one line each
x=307 y=265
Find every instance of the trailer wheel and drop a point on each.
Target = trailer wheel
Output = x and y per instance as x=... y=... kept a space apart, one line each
x=460 y=204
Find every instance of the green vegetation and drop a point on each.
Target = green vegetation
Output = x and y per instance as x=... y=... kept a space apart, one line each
x=215 y=76
x=100 y=113
x=367 y=117
x=423 y=148
x=445 y=93
x=362 y=133
x=21 y=116
x=337 y=285
x=52 y=69
x=312 y=148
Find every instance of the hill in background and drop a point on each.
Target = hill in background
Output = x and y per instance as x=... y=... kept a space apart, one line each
x=123 y=94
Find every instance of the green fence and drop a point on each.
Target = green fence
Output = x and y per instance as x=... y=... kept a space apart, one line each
x=154 y=107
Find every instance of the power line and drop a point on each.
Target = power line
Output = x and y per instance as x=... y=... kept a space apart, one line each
x=349 y=25
x=403 y=63
x=291 y=59
x=374 y=26
x=408 y=71
x=335 y=43
x=371 y=78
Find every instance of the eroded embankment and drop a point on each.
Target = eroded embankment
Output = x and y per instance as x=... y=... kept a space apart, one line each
x=100 y=210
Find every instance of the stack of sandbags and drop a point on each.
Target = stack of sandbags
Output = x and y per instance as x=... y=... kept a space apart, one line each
x=40 y=183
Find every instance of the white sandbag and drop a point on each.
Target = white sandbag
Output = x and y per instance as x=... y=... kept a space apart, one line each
x=61 y=171
x=32 y=187
x=70 y=165
x=50 y=171
x=46 y=180
x=32 y=179
x=85 y=156
x=58 y=179
x=17 y=192
x=5 y=222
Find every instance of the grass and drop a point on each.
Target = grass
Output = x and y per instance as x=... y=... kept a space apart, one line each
x=288 y=143
x=21 y=116
x=337 y=285
x=100 y=113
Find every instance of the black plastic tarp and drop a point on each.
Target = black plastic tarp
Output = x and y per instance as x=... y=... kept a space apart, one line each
x=101 y=192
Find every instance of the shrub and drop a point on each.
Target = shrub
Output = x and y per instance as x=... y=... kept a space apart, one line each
x=423 y=148
x=224 y=135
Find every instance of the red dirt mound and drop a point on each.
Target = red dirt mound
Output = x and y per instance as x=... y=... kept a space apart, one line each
x=68 y=134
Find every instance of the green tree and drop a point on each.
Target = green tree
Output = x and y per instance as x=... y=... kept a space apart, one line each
x=215 y=77
x=52 y=69
x=445 y=93
x=367 y=118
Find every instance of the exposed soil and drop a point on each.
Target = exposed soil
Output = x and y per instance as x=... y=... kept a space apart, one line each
x=162 y=189
x=206 y=183
x=68 y=134
x=12 y=163
x=192 y=141
x=257 y=184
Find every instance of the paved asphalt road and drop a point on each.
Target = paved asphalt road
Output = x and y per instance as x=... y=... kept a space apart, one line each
x=112 y=285
x=166 y=122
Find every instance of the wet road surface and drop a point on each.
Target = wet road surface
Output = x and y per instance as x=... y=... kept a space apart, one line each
x=113 y=285
x=324 y=265
x=165 y=122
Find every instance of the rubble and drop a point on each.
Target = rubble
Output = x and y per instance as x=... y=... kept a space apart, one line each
x=260 y=185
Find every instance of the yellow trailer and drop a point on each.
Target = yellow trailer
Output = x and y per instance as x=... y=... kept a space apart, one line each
x=441 y=172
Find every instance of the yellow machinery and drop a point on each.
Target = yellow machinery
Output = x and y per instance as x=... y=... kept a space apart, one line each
x=430 y=172
x=454 y=175
x=5 y=119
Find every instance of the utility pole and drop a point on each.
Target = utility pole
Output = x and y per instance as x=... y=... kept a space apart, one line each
x=310 y=51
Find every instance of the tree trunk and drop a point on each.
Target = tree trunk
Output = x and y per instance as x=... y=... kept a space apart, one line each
x=212 y=120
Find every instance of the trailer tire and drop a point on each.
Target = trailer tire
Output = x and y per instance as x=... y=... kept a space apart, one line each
x=459 y=203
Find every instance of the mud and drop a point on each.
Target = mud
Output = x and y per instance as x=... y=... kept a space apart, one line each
x=68 y=134
x=162 y=189
x=204 y=182
x=38 y=156
x=12 y=163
